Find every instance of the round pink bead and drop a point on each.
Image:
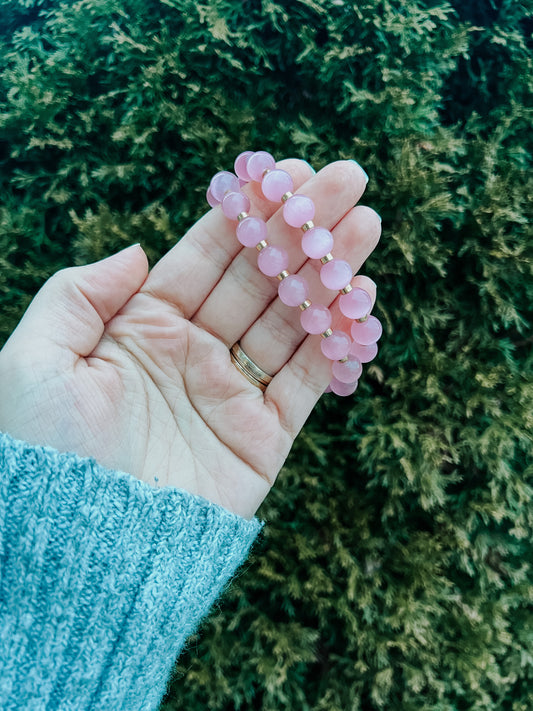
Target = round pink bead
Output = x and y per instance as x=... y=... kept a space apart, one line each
x=336 y=346
x=364 y=353
x=293 y=290
x=298 y=210
x=235 y=203
x=240 y=165
x=275 y=184
x=347 y=372
x=367 y=332
x=317 y=242
x=342 y=389
x=222 y=183
x=315 y=319
x=336 y=274
x=257 y=163
x=356 y=304
x=251 y=231
x=210 y=199
x=272 y=260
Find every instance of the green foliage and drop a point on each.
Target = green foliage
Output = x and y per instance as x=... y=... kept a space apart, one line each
x=396 y=567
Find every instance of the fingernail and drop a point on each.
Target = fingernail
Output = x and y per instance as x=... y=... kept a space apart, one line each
x=364 y=171
x=309 y=164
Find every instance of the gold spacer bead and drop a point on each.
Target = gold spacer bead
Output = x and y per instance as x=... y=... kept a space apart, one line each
x=362 y=320
x=343 y=360
x=327 y=258
x=266 y=170
x=306 y=304
x=327 y=333
x=261 y=245
x=241 y=216
x=287 y=195
x=346 y=289
x=307 y=225
x=283 y=275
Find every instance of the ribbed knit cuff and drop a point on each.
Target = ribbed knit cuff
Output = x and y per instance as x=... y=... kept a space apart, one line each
x=102 y=579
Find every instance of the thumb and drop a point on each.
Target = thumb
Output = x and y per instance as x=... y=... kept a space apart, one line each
x=73 y=306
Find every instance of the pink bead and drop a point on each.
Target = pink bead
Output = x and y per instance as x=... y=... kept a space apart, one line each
x=347 y=372
x=240 y=165
x=257 y=163
x=342 y=389
x=336 y=346
x=210 y=199
x=251 y=231
x=336 y=274
x=364 y=353
x=356 y=304
x=317 y=242
x=272 y=260
x=235 y=203
x=298 y=210
x=275 y=184
x=367 y=332
x=293 y=290
x=315 y=319
x=222 y=183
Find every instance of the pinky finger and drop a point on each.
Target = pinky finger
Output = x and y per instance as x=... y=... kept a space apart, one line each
x=298 y=386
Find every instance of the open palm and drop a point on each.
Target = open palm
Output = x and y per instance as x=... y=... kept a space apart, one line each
x=133 y=367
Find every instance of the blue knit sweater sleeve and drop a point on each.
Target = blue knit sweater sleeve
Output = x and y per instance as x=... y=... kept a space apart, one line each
x=102 y=578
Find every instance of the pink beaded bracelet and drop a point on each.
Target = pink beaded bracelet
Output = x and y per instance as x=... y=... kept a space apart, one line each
x=347 y=352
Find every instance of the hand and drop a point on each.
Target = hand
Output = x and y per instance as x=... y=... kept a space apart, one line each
x=133 y=368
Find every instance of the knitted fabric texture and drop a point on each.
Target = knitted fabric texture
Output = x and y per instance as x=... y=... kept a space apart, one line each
x=102 y=578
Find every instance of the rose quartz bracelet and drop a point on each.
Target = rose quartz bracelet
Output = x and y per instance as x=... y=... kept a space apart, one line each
x=346 y=353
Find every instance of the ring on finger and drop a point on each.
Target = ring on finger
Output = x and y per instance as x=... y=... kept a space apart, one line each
x=251 y=371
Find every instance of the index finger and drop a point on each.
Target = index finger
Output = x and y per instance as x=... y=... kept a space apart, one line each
x=188 y=273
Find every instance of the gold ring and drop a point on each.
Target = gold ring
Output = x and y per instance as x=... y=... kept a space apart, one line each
x=251 y=371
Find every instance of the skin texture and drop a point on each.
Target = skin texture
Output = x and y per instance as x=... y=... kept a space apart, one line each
x=132 y=366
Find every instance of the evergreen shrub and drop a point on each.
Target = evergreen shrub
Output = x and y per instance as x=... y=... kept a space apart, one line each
x=395 y=571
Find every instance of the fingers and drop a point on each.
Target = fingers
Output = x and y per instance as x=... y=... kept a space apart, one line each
x=298 y=386
x=243 y=292
x=276 y=334
x=74 y=305
x=187 y=275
